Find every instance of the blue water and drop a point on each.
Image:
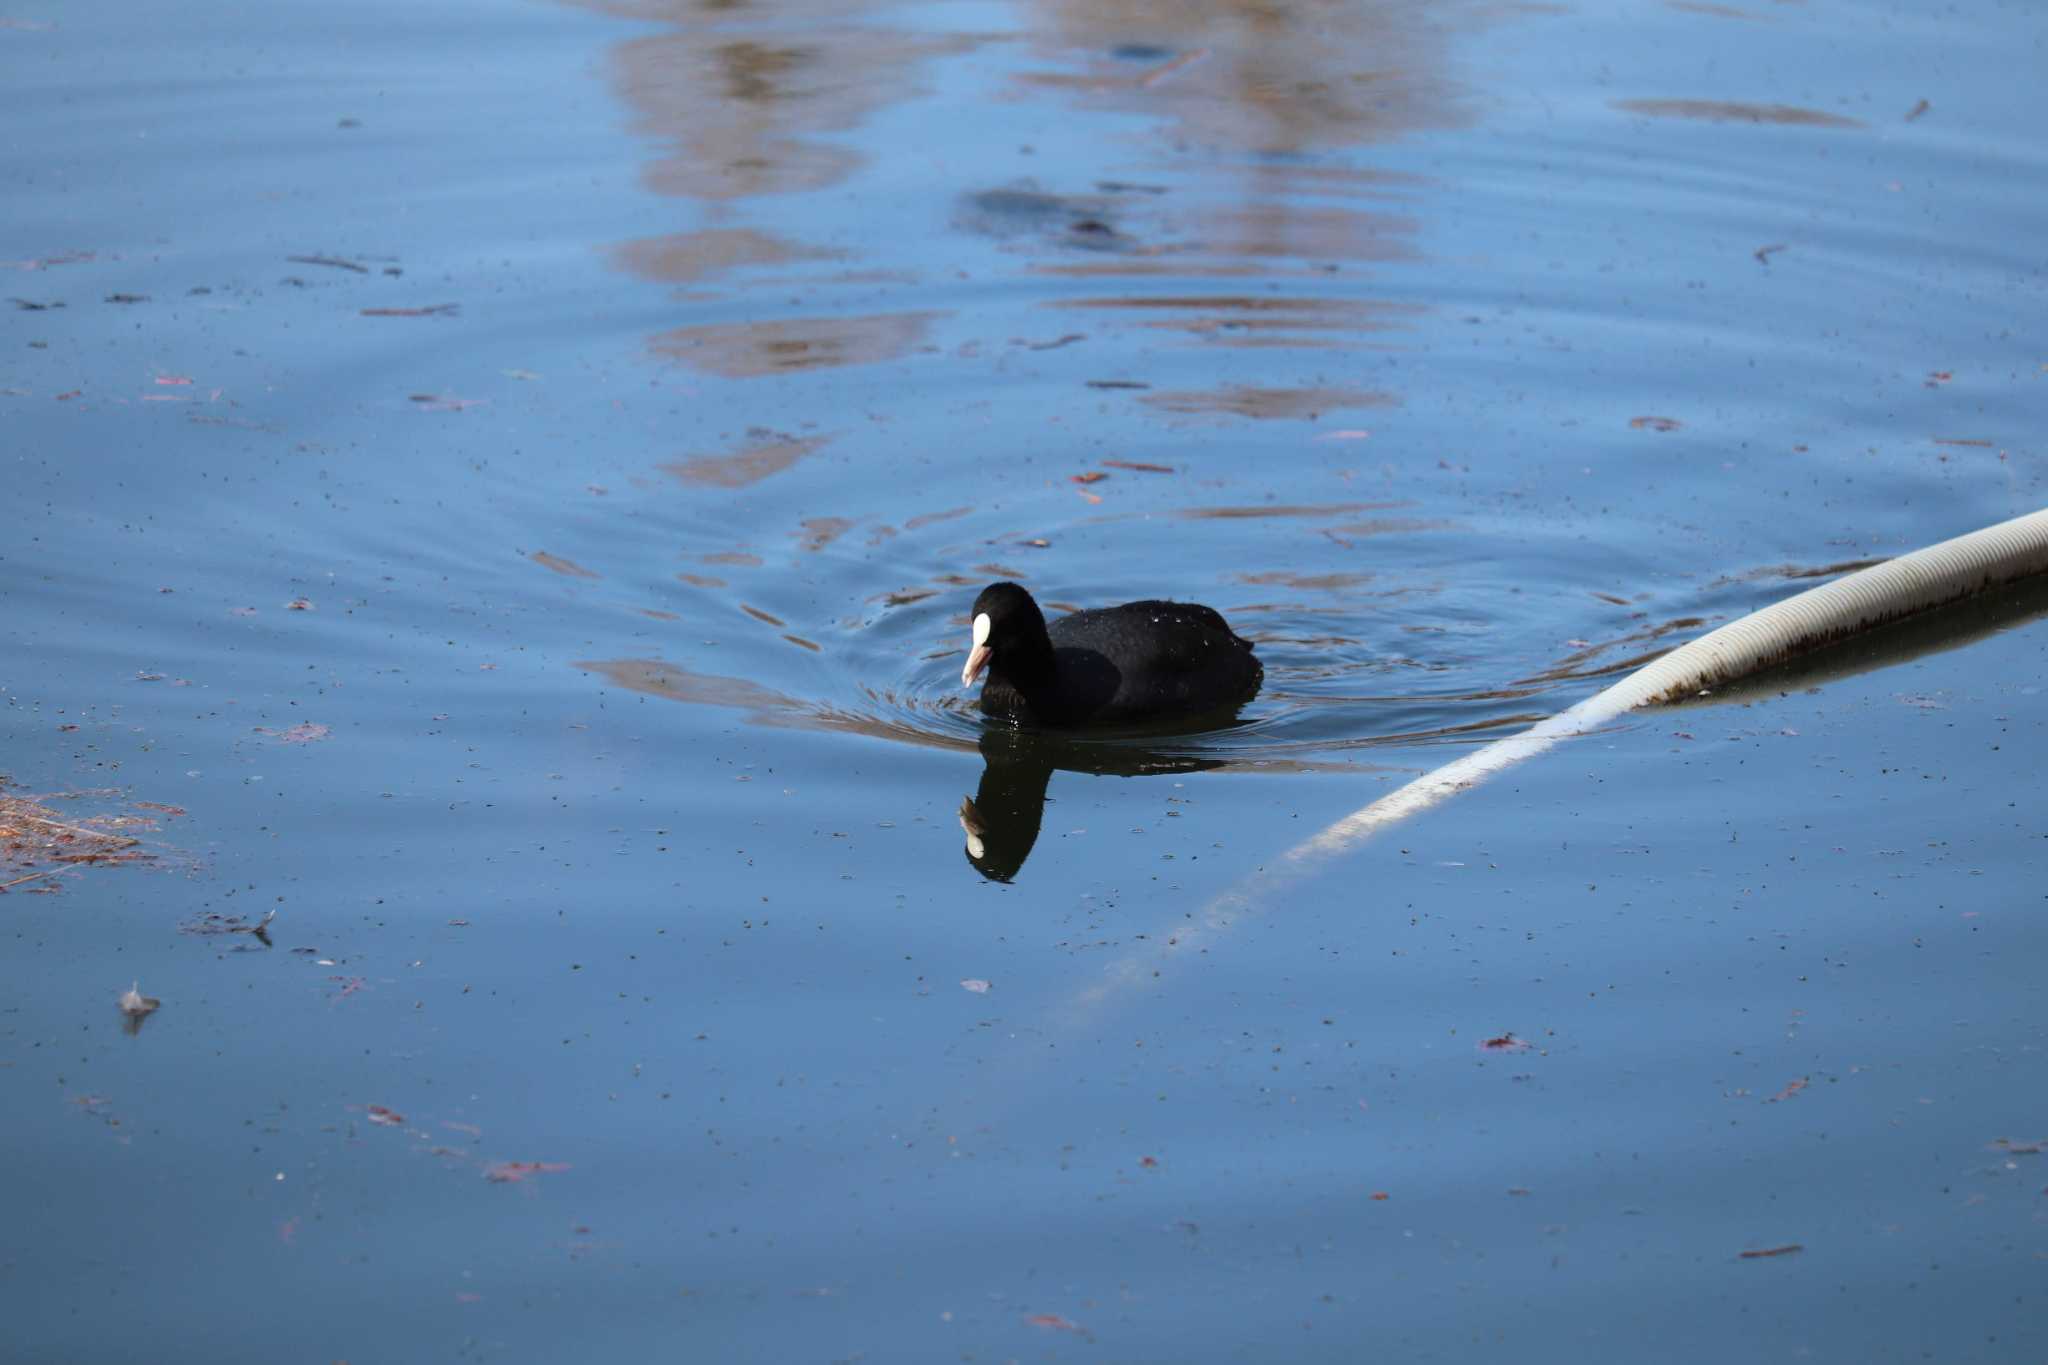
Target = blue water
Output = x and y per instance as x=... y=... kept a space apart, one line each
x=522 y=522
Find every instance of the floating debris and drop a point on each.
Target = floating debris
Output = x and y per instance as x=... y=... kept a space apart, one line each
x=29 y=835
x=136 y=1007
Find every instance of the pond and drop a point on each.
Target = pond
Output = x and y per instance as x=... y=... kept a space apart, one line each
x=496 y=493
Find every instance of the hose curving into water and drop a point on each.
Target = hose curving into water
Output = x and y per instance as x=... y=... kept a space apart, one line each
x=1921 y=581
x=1883 y=593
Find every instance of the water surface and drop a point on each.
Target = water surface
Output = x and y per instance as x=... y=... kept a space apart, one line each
x=501 y=487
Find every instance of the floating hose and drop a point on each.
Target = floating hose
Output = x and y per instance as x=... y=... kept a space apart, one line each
x=1883 y=593
x=1861 y=601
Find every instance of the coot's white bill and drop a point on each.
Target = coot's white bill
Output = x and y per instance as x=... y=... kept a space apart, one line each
x=980 y=654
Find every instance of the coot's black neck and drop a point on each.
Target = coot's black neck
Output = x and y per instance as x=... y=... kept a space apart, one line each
x=1025 y=661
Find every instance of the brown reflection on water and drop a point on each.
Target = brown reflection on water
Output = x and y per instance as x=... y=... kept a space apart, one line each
x=1722 y=111
x=1794 y=572
x=1387 y=526
x=1260 y=76
x=684 y=257
x=1717 y=11
x=1243 y=401
x=568 y=568
x=1277 y=97
x=1586 y=661
x=750 y=350
x=818 y=532
x=1322 y=582
x=746 y=96
x=1281 y=509
x=752 y=100
x=748 y=465
x=763 y=705
x=924 y=519
x=1259 y=319
x=1292 y=230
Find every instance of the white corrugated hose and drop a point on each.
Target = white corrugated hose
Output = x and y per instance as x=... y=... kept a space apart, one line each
x=1936 y=576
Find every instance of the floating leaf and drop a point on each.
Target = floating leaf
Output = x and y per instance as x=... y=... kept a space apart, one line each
x=1053 y=1322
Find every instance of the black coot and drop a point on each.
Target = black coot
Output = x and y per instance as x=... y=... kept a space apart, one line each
x=1142 y=661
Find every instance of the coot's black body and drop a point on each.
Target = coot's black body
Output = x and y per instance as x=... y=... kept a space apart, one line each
x=1140 y=662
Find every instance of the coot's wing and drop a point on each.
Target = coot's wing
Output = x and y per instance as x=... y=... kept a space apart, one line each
x=1148 y=638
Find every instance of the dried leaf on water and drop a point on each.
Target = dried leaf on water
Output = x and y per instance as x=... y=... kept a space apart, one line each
x=1761 y=1252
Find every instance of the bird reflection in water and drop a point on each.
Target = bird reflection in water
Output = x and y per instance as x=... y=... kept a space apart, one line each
x=1002 y=819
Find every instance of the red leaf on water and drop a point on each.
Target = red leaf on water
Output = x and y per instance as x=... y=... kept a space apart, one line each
x=1092 y=476
x=1381 y=1195
x=1655 y=423
x=1053 y=1322
x=387 y=1118
x=1791 y=1088
x=1148 y=1161
x=1507 y=1042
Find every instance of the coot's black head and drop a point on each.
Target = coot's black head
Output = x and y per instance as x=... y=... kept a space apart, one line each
x=1009 y=631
